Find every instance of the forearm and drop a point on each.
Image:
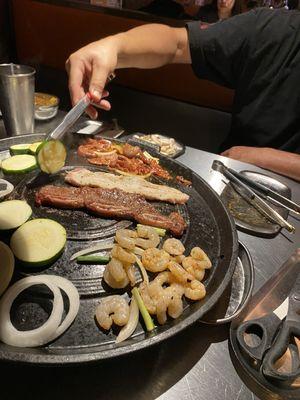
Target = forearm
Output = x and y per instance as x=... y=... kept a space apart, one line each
x=279 y=161
x=282 y=162
x=148 y=46
x=151 y=46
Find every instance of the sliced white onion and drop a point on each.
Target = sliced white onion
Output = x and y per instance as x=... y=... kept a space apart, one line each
x=138 y=251
x=8 y=190
x=131 y=325
x=74 y=302
x=53 y=327
x=143 y=270
x=35 y=337
x=96 y=247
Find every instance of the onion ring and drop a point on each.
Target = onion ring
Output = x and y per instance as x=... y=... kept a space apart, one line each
x=100 y=246
x=53 y=327
x=74 y=302
x=35 y=337
x=131 y=325
x=143 y=270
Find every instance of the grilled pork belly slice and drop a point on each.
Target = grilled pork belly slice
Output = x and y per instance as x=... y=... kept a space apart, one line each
x=113 y=203
x=129 y=184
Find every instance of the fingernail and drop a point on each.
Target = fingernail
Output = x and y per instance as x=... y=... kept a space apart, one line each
x=96 y=94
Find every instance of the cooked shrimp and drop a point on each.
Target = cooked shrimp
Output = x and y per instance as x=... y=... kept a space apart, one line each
x=179 y=273
x=112 y=309
x=195 y=290
x=173 y=247
x=147 y=237
x=179 y=258
x=162 y=279
x=110 y=280
x=155 y=260
x=200 y=255
x=156 y=287
x=148 y=301
x=130 y=271
x=116 y=270
x=161 y=300
x=162 y=304
x=166 y=299
x=123 y=255
x=126 y=238
x=175 y=308
x=177 y=288
x=193 y=267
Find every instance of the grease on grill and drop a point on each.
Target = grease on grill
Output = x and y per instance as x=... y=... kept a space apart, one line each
x=240 y=209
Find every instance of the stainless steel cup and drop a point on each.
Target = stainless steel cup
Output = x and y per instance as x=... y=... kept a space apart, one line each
x=17 y=98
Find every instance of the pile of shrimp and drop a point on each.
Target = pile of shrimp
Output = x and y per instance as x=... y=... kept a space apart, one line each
x=176 y=275
x=120 y=271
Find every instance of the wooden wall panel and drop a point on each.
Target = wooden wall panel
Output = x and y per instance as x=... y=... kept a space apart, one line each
x=47 y=34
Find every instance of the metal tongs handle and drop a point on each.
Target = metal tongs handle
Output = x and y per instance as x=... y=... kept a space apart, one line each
x=73 y=115
x=252 y=197
x=70 y=118
x=267 y=193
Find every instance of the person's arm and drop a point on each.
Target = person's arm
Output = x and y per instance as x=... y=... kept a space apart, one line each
x=282 y=162
x=147 y=46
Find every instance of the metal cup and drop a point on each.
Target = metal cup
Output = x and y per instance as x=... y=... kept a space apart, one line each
x=17 y=98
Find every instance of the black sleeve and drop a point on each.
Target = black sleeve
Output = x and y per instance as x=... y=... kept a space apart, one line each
x=219 y=52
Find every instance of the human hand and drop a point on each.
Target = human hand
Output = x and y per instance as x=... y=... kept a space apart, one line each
x=88 y=70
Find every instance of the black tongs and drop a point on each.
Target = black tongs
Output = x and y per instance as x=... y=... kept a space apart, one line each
x=255 y=192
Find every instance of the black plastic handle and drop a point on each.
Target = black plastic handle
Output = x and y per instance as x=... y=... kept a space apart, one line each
x=288 y=330
x=263 y=330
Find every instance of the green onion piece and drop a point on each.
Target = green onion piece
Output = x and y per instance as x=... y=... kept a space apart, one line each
x=93 y=259
x=146 y=316
x=161 y=232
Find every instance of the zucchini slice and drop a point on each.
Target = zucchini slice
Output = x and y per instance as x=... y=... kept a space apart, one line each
x=34 y=147
x=19 y=149
x=13 y=213
x=19 y=164
x=38 y=242
x=7 y=266
x=51 y=156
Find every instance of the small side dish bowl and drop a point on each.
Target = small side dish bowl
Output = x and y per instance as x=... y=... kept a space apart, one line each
x=45 y=106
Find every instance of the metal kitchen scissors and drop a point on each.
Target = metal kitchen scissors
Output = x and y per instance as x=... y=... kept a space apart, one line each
x=274 y=334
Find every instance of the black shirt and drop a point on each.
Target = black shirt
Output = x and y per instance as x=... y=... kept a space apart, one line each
x=258 y=55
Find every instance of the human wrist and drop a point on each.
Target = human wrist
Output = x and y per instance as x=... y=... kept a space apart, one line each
x=111 y=49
